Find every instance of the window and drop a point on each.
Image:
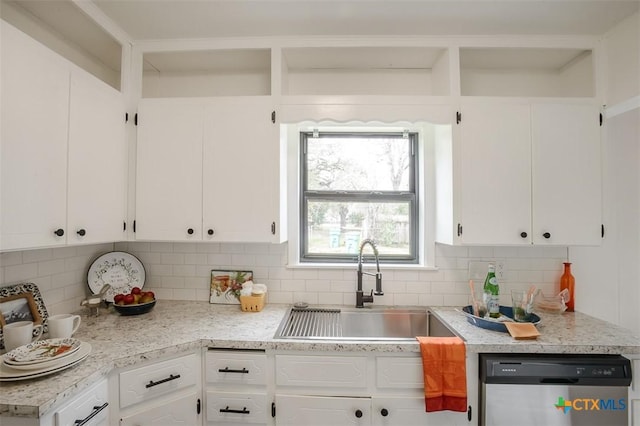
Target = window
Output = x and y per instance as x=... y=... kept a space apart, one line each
x=356 y=186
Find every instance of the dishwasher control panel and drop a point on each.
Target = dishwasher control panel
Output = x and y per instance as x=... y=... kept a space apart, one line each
x=614 y=370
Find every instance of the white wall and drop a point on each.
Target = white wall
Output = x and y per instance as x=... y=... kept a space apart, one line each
x=182 y=271
x=59 y=273
x=608 y=277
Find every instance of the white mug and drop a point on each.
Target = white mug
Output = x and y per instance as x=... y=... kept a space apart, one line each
x=63 y=325
x=20 y=333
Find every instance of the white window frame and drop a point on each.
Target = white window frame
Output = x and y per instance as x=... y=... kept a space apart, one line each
x=426 y=196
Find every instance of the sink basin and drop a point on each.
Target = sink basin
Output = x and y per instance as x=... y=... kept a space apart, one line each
x=360 y=324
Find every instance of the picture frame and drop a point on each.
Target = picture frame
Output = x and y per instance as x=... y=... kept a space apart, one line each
x=19 y=307
x=226 y=285
x=26 y=292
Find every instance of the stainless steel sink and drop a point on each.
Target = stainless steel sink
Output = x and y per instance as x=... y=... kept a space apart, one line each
x=360 y=324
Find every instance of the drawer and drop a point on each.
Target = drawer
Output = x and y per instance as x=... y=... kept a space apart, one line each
x=152 y=380
x=399 y=373
x=90 y=406
x=321 y=371
x=178 y=410
x=239 y=367
x=235 y=407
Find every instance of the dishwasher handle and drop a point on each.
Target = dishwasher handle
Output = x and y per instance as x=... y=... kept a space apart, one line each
x=559 y=381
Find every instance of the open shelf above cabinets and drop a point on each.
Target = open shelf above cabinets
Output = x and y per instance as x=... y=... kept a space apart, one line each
x=527 y=72
x=206 y=73
x=386 y=70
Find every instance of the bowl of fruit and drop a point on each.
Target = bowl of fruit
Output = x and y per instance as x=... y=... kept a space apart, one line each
x=135 y=303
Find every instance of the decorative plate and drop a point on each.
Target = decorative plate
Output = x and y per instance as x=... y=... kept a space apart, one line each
x=7 y=373
x=42 y=350
x=493 y=324
x=121 y=270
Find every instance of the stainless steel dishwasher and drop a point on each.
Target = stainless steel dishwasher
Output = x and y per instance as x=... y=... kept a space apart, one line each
x=538 y=389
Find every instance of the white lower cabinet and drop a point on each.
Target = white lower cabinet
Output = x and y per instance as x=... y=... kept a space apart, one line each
x=89 y=408
x=180 y=410
x=370 y=389
x=161 y=393
x=295 y=410
x=236 y=384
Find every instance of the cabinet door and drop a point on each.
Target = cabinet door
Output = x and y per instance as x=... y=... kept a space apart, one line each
x=97 y=162
x=241 y=171
x=169 y=170
x=567 y=200
x=293 y=410
x=34 y=119
x=181 y=410
x=495 y=174
x=91 y=407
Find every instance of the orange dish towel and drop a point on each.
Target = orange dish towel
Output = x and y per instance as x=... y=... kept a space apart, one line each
x=445 y=378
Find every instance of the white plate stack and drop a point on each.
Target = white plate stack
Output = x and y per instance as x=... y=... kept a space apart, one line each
x=42 y=358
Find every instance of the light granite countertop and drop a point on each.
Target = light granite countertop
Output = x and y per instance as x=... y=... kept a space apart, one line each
x=178 y=326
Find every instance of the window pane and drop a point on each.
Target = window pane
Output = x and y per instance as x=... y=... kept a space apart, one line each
x=358 y=163
x=339 y=227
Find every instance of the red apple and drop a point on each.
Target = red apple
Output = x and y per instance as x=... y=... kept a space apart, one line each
x=129 y=299
x=117 y=298
x=136 y=290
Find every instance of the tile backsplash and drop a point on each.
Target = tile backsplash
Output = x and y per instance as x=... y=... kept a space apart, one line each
x=181 y=271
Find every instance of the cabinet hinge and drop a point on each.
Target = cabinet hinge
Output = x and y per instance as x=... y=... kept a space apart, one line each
x=602 y=231
x=198 y=406
x=126 y=117
x=459 y=230
x=134 y=226
x=273 y=228
x=135 y=119
x=601 y=119
x=469 y=414
x=273 y=409
x=273 y=116
x=458 y=117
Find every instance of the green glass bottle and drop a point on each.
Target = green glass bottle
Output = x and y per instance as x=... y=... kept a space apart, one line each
x=492 y=292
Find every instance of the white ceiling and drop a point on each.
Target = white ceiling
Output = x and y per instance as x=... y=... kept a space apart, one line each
x=174 y=19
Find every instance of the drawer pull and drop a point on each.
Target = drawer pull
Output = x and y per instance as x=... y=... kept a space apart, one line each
x=231 y=410
x=96 y=410
x=168 y=379
x=228 y=370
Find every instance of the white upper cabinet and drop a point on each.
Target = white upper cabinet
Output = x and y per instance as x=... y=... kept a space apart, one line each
x=35 y=116
x=241 y=171
x=169 y=170
x=523 y=173
x=63 y=150
x=97 y=162
x=209 y=169
x=567 y=174
x=495 y=174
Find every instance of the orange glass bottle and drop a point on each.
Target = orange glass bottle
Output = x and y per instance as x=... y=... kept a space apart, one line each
x=569 y=282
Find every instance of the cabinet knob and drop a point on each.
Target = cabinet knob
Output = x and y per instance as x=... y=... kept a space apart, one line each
x=81 y=232
x=59 y=232
x=523 y=234
x=190 y=231
x=358 y=413
x=210 y=232
x=546 y=235
x=384 y=412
